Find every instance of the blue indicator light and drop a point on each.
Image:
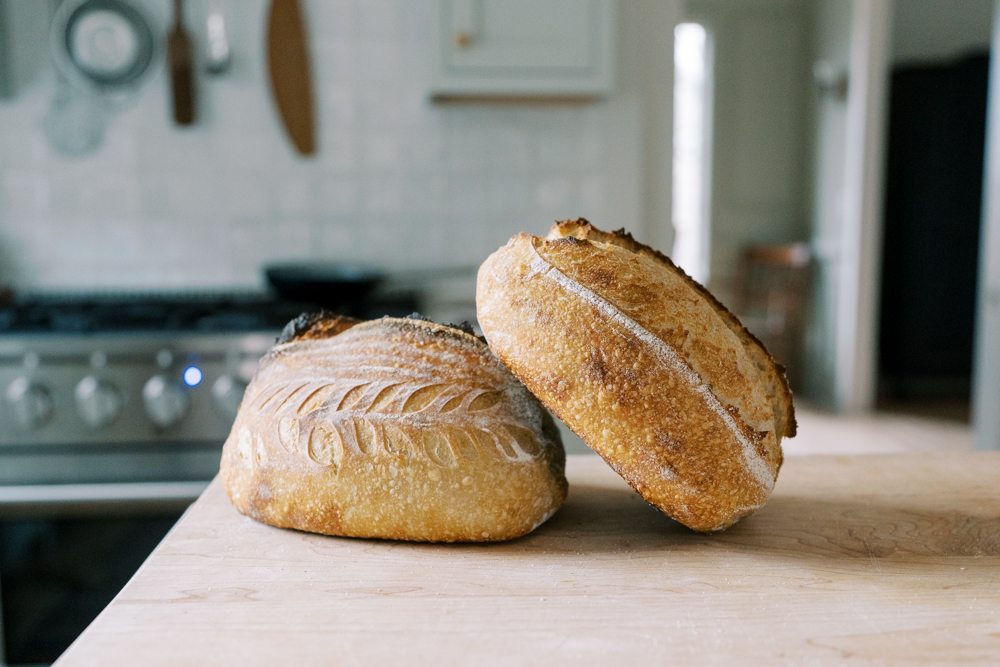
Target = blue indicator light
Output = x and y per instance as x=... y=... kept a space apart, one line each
x=192 y=376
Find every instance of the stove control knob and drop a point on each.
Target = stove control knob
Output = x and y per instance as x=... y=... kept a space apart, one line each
x=228 y=393
x=97 y=401
x=166 y=402
x=31 y=402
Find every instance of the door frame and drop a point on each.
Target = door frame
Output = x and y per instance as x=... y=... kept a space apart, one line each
x=858 y=283
x=986 y=355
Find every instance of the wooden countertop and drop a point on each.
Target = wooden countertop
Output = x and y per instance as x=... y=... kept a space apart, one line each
x=877 y=560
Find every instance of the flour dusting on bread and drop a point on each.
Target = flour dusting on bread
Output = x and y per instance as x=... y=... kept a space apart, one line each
x=394 y=428
x=751 y=458
x=644 y=367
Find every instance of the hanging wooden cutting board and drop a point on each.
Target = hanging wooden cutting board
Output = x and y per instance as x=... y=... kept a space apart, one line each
x=288 y=63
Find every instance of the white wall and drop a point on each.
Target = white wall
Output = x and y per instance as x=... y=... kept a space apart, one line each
x=760 y=160
x=832 y=45
x=397 y=181
x=928 y=30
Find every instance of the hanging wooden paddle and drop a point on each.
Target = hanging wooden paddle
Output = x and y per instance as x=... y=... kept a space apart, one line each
x=181 y=62
x=288 y=62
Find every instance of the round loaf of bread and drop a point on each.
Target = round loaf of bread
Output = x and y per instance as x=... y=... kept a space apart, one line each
x=642 y=363
x=394 y=428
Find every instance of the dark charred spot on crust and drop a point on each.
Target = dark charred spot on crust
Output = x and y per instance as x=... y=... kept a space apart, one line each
x=597 y=369
x=666 y=442
x=460 y=332
x=314 y=326
x=299 y=325
x=464 y=327
x=569 y=241
x=758 y=443
x=756 y=437
x=791 y=426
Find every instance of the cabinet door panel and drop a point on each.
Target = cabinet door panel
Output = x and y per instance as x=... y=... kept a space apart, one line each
x=514 y=47
x=523 y=35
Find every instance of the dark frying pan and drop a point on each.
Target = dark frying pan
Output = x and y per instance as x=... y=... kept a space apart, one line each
x=331 y=286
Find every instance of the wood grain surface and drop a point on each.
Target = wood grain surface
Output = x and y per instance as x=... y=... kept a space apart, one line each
x=877 y=560
x=288 y=66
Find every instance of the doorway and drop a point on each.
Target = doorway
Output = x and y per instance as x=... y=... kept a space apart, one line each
x=936 y=141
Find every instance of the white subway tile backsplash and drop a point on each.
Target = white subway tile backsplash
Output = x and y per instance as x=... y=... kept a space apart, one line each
x=333 y=15
x=378 y=19
x=338 y=107
x=467 y=151
x=553 y=194
x=383 y=195
x=248 y=196
x=115 y=196
x=397 y=181
x=337 y=151
x=507 y=195
x=508 y=149
x=25 y=194
x=336 y=239
x=334 y=60
x=591 y=199
x=294 y=197
x=556 y=150
x=378 y=62
x=467 y=198
x=424 y=194
x=336 y=196
x=591 y=155
x=382 y=152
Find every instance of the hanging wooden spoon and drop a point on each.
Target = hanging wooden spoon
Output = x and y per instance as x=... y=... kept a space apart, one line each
x=180 y=58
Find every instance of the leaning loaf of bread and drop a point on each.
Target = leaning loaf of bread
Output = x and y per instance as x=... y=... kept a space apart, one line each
x=393 y=428
x=644 y=365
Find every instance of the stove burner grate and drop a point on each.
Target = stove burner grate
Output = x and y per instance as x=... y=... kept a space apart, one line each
x=92 y=314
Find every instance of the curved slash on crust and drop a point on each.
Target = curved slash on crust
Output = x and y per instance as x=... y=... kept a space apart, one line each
x=754 y=462
x=281 y=388
x=306 y=426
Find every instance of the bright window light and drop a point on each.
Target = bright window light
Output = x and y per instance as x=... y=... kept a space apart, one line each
x=192 y=376
x=692 y=149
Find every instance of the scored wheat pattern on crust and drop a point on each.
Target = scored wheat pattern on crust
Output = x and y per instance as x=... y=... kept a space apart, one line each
x=444 y=422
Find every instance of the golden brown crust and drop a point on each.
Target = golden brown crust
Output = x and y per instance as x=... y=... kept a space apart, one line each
x=639 y=364
x=394 y=428
x=314 y=326
x=772 y=374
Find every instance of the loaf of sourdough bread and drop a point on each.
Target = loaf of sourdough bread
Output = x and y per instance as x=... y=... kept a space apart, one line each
x=392 y=428
x=644 y=365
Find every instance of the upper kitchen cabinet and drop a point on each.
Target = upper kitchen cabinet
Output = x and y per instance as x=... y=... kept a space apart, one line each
x=513 y=48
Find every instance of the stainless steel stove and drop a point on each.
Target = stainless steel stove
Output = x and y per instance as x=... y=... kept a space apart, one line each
x=112 y=417
x=125 y=390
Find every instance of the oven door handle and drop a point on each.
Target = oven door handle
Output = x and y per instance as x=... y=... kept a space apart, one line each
x=98 y=499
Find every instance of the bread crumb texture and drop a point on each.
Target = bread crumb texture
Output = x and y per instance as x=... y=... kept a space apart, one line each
x=396 y=429
x=641 y=365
